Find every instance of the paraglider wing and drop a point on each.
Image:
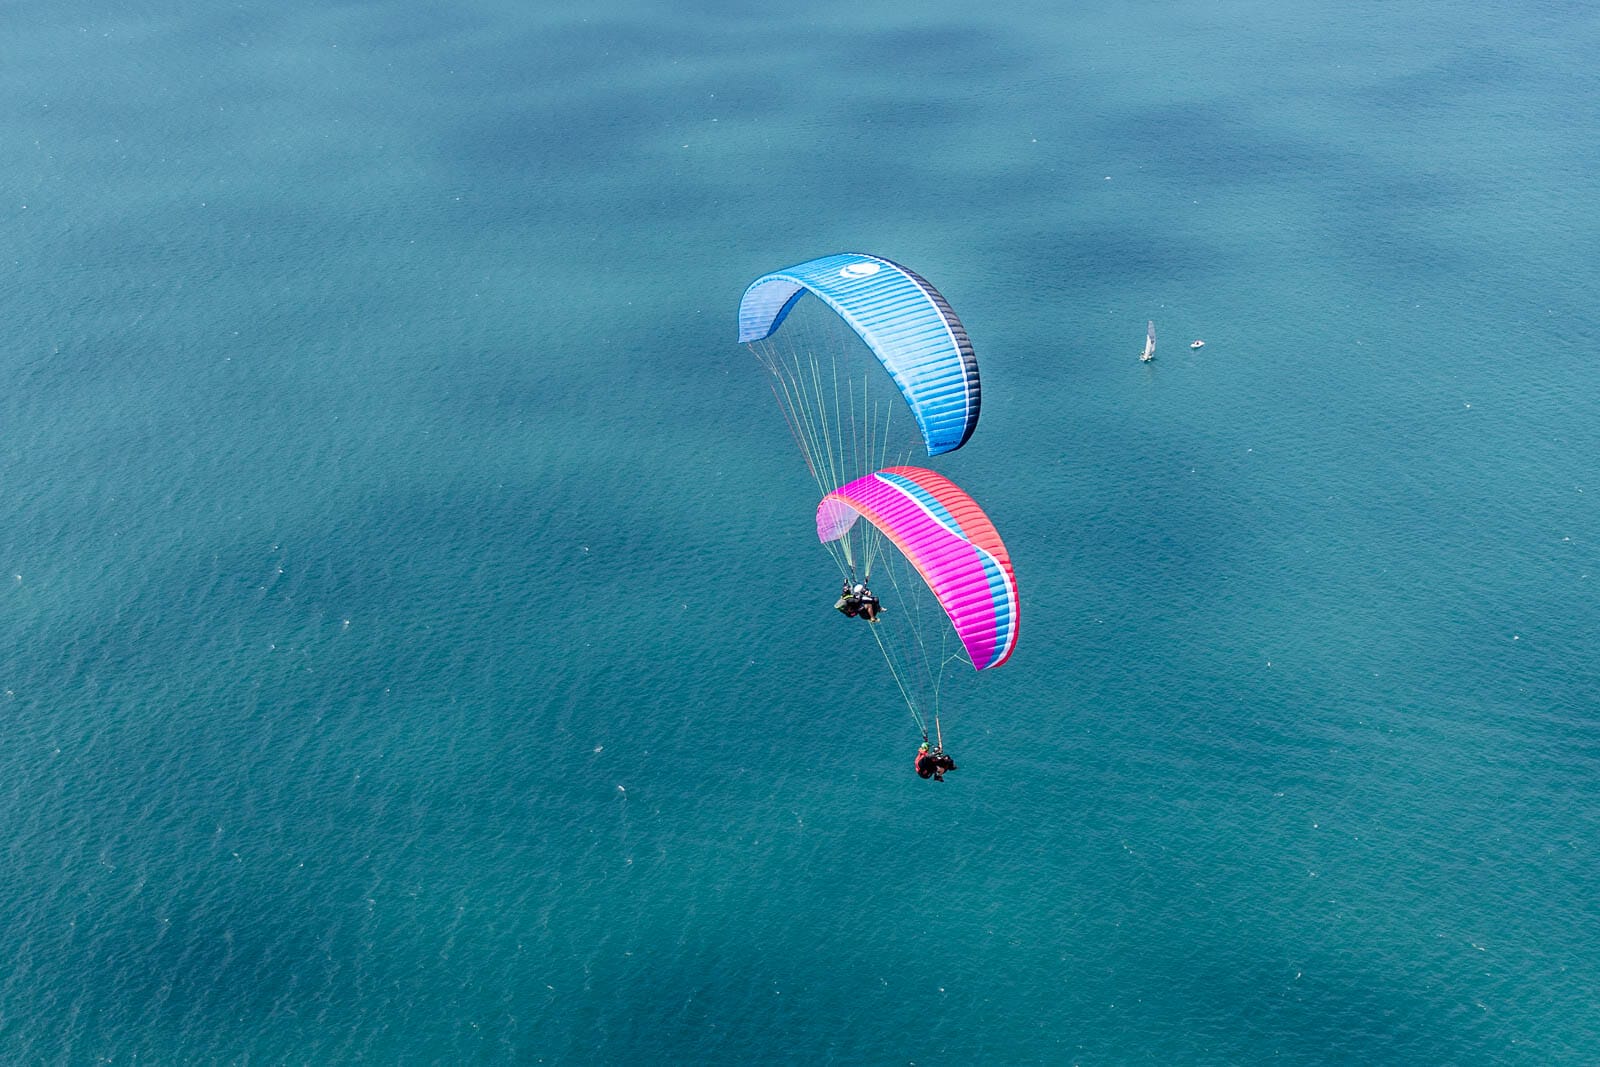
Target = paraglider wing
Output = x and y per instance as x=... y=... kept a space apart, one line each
x=951 y=543
x=904 y=320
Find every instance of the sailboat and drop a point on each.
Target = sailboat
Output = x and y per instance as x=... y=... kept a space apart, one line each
x=1149 y=352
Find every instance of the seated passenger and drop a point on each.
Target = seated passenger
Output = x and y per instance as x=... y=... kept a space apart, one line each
x=933 y=764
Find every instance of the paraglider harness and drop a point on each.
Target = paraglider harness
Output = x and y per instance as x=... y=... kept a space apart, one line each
x=932 y=763
x=857 y=601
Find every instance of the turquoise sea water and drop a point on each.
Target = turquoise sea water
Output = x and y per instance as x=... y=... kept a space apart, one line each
x=415 y=646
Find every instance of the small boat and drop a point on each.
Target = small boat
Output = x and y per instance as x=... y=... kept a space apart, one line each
x=1197 y=343
x=1149 y=352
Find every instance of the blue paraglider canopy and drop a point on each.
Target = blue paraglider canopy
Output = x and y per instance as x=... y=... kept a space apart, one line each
x=905 y=321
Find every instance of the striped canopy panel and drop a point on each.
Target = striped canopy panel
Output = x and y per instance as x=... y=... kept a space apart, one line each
x=902 y=318
x=949 y=540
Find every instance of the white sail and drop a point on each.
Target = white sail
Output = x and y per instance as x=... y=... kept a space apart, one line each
x=1149 y=341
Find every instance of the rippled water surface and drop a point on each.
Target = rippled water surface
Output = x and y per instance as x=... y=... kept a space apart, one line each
x=416 y=649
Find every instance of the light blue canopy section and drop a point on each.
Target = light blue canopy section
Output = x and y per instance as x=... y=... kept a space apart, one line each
x=903 y=319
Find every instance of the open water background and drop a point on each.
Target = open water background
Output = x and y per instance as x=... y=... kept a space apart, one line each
x=413 y=644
